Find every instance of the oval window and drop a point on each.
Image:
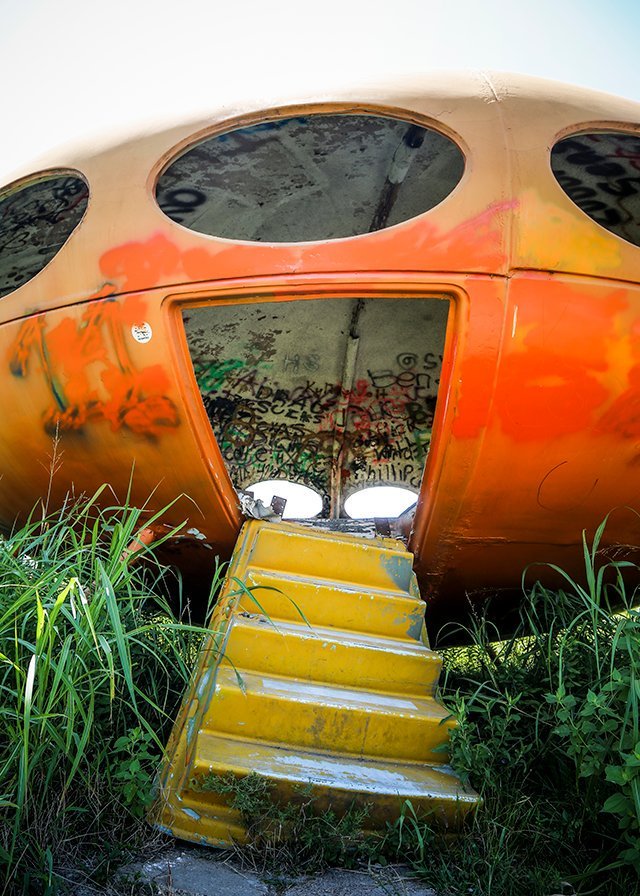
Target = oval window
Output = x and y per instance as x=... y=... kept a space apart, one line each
x=302 y=502
x=37 y=217
x=382 y=501
x=314 y=177
x=600 y=172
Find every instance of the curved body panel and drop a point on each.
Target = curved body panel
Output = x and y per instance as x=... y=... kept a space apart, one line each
x=536 y=432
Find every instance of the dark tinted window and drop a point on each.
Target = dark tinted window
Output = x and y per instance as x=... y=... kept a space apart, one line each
x=36 y=220
x=314 y=177
x=600 y=172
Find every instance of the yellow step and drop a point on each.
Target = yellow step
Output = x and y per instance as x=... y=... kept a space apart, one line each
x=313 y=716
x=380 y=612
x=331 y=656
x=341 y=781
x=379 y=563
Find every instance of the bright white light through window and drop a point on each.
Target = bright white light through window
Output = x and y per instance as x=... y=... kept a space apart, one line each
x=302 y=502
x=379 y=501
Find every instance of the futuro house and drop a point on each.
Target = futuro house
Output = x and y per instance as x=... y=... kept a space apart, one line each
x=431 y=285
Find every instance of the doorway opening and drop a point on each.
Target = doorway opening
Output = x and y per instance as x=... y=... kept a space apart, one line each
x=333 y=398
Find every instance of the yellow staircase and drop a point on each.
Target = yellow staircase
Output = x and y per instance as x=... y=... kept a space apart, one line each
x=317 y=671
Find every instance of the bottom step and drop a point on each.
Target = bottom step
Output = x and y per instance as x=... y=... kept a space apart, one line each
x=336 y=782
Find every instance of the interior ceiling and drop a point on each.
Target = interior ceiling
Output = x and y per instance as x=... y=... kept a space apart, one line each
x=336 y=394
x=600 y=172
x=36 y=220
x=310 y=178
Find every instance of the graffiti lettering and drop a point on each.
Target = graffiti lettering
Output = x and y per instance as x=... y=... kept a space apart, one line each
x=380 y=430
x=179 y=204
x=35 y=222
x=601 y=174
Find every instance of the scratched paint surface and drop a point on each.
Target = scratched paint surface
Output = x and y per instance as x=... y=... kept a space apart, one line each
x=314 y=390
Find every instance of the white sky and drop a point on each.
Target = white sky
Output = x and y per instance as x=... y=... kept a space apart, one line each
x=73 y=68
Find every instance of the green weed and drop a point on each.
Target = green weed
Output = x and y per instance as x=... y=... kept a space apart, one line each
x=93 y=663
x=548 y=735
x=297 y=835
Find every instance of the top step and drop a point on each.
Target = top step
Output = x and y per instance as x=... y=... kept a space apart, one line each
x=372 y=563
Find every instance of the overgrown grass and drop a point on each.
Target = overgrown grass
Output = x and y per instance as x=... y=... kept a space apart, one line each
x=549 y=735
x=93 y=663
x=296 y=837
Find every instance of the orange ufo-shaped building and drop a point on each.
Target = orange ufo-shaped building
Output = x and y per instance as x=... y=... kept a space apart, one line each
x=432 y=286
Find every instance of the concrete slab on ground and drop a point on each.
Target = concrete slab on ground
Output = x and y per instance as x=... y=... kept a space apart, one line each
x=190 y=871
x=185 y=872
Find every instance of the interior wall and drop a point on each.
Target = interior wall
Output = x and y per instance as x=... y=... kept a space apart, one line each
x=335 y=394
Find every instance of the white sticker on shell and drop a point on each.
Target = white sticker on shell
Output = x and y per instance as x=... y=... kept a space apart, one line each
x=142 y=332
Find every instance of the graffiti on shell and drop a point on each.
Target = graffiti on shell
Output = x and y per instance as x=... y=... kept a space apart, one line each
x=90 y=377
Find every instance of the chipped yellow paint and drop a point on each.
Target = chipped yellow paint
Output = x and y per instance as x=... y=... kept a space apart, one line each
x=317 y=670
